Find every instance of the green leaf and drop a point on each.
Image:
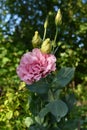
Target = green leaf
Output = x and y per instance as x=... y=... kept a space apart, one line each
x=39 y=87
x=43 y=112
x=39 y=120
x=9 y=114
x=57 y=107
x=70 y=100
x=63 y=77
x=50 y=96
x=28 y=121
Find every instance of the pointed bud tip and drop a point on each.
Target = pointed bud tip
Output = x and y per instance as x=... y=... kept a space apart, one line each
x=36 y=32
x=36 y=40
x=58 y=18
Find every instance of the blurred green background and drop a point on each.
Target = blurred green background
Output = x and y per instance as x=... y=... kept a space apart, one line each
x=19 y=19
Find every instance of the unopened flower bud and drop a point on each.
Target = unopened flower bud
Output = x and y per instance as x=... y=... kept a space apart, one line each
x=46 y=46
x=58 y=18
x=36 y=40
x=46 y=23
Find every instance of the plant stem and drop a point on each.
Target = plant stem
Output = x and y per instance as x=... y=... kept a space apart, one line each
x=56 y=34
x=45 y=30
x=54 y=51
x=51 y=95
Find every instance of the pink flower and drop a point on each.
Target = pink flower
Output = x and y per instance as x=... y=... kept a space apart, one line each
x=35 y=65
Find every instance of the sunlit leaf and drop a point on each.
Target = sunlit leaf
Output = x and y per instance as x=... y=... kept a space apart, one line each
x=28 y=121
x=9 y=114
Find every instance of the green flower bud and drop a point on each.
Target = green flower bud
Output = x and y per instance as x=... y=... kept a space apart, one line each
x=58 y=18
x=46 y=23
x=46 y=46
x=36 y=40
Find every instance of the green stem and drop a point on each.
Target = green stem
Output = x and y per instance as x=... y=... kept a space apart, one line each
x=45 y=30
x=55 y=39
x=55 y=50
x=56 y=34
x=51 y=94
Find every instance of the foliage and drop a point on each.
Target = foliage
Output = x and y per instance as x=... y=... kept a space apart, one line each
x=13 y=95
x=55 y=109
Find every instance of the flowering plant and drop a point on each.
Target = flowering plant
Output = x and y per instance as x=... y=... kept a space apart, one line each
x=38 y=70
